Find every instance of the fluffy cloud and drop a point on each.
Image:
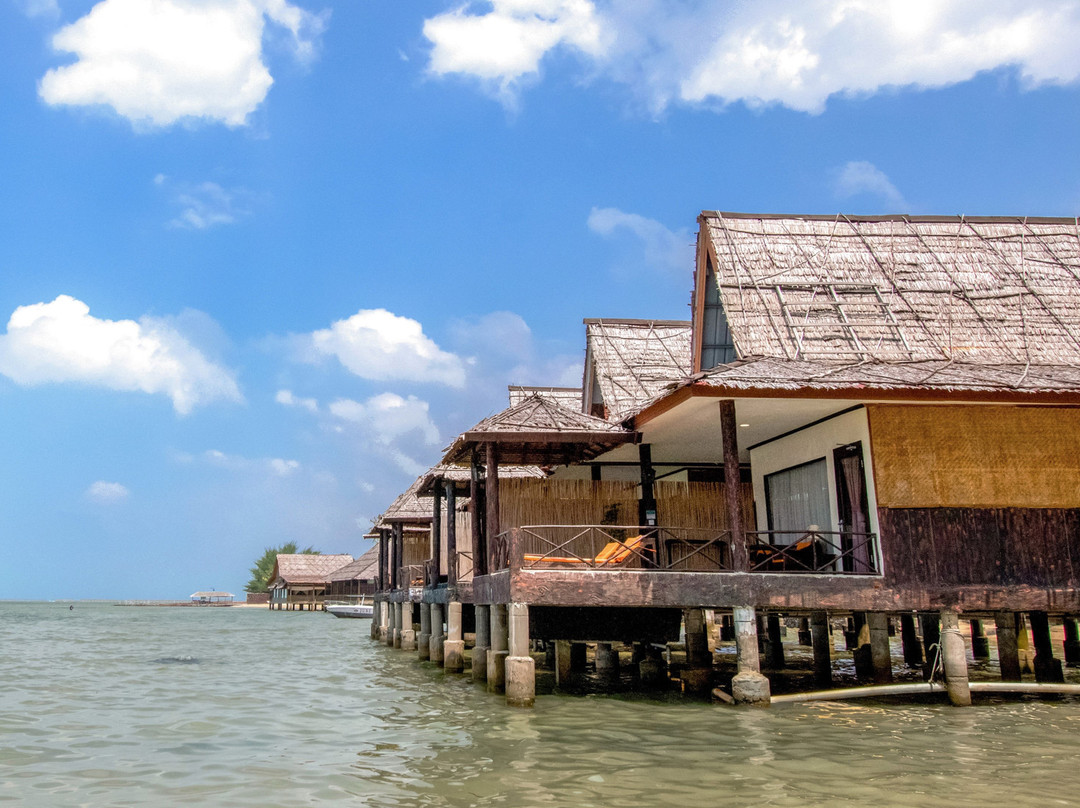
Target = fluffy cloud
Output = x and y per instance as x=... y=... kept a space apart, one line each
x=377 y=344
x=796 y=53
x=61 y=342
x=508 y=41
x=106 y=492
x=287 y=399
x=859 y=177
x=275 y=465
x=661 y=247
x=389 y=416
x=160 y=61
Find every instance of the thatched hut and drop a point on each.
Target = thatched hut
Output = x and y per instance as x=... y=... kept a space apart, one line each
x=299 y=580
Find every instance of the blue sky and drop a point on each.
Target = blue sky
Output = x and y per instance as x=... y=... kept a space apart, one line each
x=261 y=260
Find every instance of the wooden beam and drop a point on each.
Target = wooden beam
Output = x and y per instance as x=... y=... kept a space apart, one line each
x=740 y=557
x=451 y=536
x=476 y=503
x=491 y=495
x=436 y=527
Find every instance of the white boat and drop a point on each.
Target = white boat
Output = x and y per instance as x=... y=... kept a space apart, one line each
x=345 y=609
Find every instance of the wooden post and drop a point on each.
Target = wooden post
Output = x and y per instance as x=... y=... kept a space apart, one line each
x=1008 y=654
x=1047 y=668
x=423 y=641
x=496 y=657
x=563 y=664
x=483 y=642
x=1023 y=645
x=955 y=658
x=520 y=668
x=775 y=655
x=398 y=542
x=863 y=653
x=805 y=635
x=697 y=639
x=909 y=638
x=931 y=638
x=384 y=560
x=491 y=495
x=980 y=643
x=451 y=536
x=436 y=530
x=819 y=635
x=740 y=558
x=880 y=655
x=1072 y=641
x=607 y=658
x=476 y=503
x=647 y=503
x=748 y=686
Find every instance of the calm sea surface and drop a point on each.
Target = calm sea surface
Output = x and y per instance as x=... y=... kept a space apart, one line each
x=140 y=706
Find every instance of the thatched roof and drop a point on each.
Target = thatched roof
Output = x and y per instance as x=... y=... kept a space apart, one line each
x=366 y=567
x=410 y=506
x=463 y=475
x=539 y=432
x=566 y=396
x=984 y=291
x=306 y=568
x=630 y=361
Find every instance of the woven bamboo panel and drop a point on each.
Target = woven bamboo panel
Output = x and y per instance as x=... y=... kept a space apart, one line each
x=975 y=457
x=566 y=502
x=700 y=505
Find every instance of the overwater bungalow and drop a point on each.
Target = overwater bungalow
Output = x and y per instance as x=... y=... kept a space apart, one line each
x=879 y=421
x=299 y=580
x=351 y=582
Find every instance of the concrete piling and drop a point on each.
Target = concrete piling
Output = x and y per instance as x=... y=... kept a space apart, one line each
x=519 y=668
x=748 y=685
x=955 y=657
x=454 y=645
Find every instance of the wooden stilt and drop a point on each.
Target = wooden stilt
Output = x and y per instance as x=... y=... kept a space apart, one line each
x=1072 y=642
x=805 y=635
x=775 y=649
x=1023 y=645
x=1008 y=654
x=563 y=663
x=863 y=654
x=1047 y=668
x=607 y=658
x=980 y=643
x=931 y=637
x=880 y=653
x=819 y=634
x=909 y=638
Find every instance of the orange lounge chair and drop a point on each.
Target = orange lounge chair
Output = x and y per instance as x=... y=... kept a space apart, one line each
x=614 y=552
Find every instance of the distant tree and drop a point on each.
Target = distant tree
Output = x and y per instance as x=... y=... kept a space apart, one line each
x=264 y=567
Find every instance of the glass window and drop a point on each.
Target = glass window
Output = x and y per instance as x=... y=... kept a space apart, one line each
x=797 y=498
x=717 y=347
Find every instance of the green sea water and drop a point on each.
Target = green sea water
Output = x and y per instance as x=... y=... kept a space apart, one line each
x=139 y=706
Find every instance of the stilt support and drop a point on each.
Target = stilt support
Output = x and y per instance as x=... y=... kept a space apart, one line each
x=955 y=657
x=454 y=646
x=1008 y=653
x=819 y=636
x=520 y=669
x=483 y=643
x=748 y=686
x=496 y=657
x=423 y=639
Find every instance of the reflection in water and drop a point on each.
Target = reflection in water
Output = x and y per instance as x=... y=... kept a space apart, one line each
x=290 y=709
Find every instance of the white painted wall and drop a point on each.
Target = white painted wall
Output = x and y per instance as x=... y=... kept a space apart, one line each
x=815 y=443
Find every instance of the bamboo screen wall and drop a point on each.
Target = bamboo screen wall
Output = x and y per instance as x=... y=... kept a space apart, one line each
x=414 y=548
x=585 y=502
x=975 y=457
x=700 y=505
x=566 y=502
x=463 y=520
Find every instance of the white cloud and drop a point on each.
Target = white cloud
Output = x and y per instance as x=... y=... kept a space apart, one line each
x=205 y=205
x=158 y=62
x=389 y=416
x=287 y=399
x=39 y=8
x=61 y=342
x=283 y=468
x=103 y=491
x=796 y=53
x=376 y=344
x=662 y=248
x=507 y=42
x=859 y=177
x=275 y=465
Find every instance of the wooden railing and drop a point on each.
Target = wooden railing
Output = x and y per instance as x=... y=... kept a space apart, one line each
x=672 y=549
x=411 y=575
x=465 y=566
x=812 y=551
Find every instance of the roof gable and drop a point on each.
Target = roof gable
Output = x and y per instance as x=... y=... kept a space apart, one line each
x=307 y=568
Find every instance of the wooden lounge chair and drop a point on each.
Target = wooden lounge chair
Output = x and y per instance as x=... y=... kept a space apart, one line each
x=615 y=552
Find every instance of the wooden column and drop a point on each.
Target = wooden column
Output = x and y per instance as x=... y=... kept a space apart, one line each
x=909 y=638
x=863 y=654
x=647 y=503
x=1072 y=641
x=451 y=535
x=774 y=659
x=1008 y=654
x=436 y=529
x=819 y=636
x=384 y=561
x=399 y=546
x=740 y=558
x=931 y=638
x=880 y=655
x=980 y=643
x=1047 y=668
x=491 y=496
x=476 y=497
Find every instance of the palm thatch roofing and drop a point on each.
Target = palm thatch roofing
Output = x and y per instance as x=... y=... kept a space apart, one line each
x=569 y=397
x=630 y=361
x=461 y=476
x=540 y=432
x=410 y=506
x=984 y=291
x=365 y=568
x=306 y=568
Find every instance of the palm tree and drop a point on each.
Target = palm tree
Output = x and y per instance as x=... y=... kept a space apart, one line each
x=264 y=567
